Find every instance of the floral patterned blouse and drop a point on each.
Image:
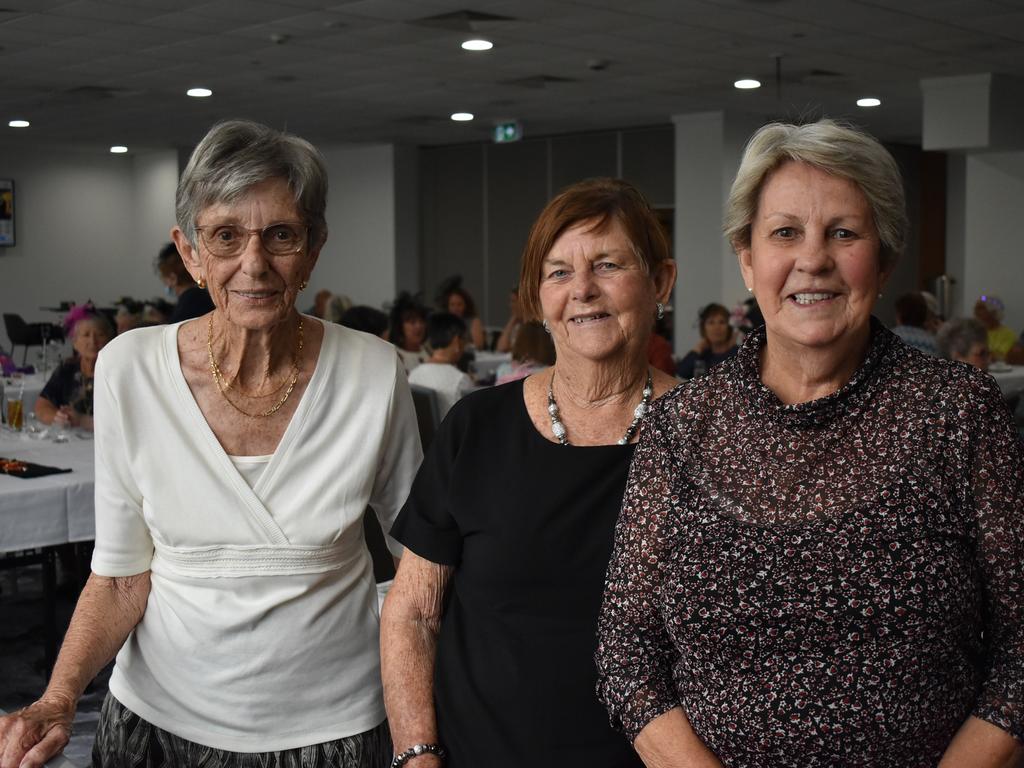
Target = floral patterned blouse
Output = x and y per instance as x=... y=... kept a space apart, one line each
x=832 y=583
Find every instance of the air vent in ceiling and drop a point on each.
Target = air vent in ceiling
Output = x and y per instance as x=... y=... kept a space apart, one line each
x=536 y=81
x=460 y=21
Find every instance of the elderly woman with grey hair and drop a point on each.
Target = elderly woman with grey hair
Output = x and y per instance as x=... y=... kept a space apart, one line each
x=964 y=339
x=819 y=556
x=236 y=454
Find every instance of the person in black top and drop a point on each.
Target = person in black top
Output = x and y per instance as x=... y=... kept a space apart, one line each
x=488 y=633
x=717 y=343
x=192 y=298
x=66 y=400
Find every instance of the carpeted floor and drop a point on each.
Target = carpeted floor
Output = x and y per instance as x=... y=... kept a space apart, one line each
x=22 y=674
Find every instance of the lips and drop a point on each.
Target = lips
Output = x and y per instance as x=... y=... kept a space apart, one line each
x=256 y=294
x=808 y=298
x=591 y=318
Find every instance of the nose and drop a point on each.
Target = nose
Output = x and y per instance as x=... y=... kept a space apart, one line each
x=815 y=255
x=254 y=258
x=584 y=286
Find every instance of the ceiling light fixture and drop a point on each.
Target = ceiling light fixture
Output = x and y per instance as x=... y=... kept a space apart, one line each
x=869 y=102
x=747 y=84
x=199 y=93
x=118 y=149
x=462 y=117
x=19 y=124
x=477 y=45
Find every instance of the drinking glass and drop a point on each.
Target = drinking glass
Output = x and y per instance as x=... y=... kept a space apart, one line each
x=15 y=411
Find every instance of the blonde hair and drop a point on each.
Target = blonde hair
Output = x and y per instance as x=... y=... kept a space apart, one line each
x=838 y=149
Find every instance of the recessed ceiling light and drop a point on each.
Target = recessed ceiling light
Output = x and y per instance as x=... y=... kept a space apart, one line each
x=462 y=117
x=747 y=84
x=18 y=123
x=477 y=45
x=869 y=102
x=199 y=93
x=118 y=149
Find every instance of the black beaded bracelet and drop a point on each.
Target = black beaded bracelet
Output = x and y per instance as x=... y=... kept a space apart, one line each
x=415 y=751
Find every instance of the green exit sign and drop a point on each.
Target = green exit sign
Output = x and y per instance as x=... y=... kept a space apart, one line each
x=504 y=132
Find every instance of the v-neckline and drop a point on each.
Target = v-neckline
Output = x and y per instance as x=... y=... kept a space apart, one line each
x=250 y=496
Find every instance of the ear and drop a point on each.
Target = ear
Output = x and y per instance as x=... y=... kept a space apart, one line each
x=189 y=256
x=745 y=258
x=665 y=279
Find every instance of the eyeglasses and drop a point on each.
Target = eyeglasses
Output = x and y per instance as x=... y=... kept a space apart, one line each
x=226 y=240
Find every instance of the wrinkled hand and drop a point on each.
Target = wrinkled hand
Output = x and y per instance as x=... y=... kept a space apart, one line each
x=31 y=736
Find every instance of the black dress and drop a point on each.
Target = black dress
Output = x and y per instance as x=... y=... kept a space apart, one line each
x=527 y=525
x=69 y=386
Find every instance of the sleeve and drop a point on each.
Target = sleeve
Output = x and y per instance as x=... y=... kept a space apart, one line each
x=634 y=653
x=123 y=543
x=55 y=390
x=996 y=486
x=400 y=457
x=426 y=524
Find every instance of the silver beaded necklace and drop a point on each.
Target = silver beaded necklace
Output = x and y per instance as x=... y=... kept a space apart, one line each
x=558 y=428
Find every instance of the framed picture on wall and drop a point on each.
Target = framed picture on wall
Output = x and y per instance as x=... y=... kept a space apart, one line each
x=6 y=212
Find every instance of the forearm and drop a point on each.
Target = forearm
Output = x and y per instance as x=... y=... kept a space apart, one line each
x=979 y=744
x=45 y=410
x=410 y=622
x=669 y=741
x=107 y=611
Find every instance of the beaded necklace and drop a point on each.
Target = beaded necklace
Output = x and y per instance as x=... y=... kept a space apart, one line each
x=558 y=428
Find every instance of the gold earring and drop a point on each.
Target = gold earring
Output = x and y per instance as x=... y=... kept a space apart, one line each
x=200 y=282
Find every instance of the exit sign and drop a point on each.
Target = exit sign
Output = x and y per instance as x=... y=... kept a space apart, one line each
x=504 y=132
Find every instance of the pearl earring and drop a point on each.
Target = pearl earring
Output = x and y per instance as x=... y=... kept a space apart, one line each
x=547 y=328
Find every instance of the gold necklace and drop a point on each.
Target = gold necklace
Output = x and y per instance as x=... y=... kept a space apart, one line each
x=223 y=385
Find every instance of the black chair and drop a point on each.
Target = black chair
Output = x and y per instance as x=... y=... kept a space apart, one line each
x=428 y=412
x=25 y=334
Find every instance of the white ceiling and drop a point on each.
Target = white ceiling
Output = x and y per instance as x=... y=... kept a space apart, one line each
x=100 y=72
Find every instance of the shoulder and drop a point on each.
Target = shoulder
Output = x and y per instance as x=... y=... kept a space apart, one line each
x=945 y=386
x=488 y=404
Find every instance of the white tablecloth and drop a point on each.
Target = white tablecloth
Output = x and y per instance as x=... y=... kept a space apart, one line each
x=55 y=509
x=1009 y=381
x=485 y=362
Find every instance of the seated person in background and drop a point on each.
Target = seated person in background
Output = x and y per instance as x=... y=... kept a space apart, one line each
x=66 y=400
x=935 y=319
x=157 y=312
x=456 y=300
x=192 y=300
x=366 y=319
x=911 y=317
x=444 y=333
x=336 y=307
x=964 y=339
x=532 y=351
x=717 y=343
x=408 y=330
x=1002 y=342
x=129 y=315
x=515 y=321
x=320 y=301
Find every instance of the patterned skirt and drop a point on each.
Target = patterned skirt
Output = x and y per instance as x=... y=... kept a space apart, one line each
x=125 y=740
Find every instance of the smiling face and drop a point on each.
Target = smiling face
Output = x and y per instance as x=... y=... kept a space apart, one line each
x=414 y=331
x=595 y=295
x=717 y=329
x=457 y=305
x=89 y=338
x=813 y=258
x=253 y=289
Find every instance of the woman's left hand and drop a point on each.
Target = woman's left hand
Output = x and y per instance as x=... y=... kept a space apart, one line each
x=67 y=417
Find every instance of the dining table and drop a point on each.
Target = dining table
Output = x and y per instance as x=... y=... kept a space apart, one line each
x=30 y=384
x=40 y=514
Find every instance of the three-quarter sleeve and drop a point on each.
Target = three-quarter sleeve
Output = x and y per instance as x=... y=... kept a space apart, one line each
x=426 y=524
x=996 y=497
x=634 y=653
x=124 y=546
x=400 y=457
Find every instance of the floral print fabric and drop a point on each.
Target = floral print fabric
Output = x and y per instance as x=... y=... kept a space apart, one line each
x=832 y=583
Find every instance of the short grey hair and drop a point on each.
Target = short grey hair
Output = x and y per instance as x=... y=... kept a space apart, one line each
x=956 y=337
x=833 y=147
x=235 y=156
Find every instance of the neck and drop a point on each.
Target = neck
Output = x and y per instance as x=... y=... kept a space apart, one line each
x=590 y=384
x=254 y=357
x=444 y=356
x=798 y=374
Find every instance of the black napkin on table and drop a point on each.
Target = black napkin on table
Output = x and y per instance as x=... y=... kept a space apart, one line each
x=27 y=470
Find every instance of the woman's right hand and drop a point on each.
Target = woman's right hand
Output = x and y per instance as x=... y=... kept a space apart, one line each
x=33 y=735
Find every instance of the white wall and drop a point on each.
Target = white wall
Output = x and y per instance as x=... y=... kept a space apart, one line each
x=994 y=202
x=359 y=257
x=88 y=227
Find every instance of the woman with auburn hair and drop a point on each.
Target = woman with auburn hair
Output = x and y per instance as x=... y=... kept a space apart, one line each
x=488 y=632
